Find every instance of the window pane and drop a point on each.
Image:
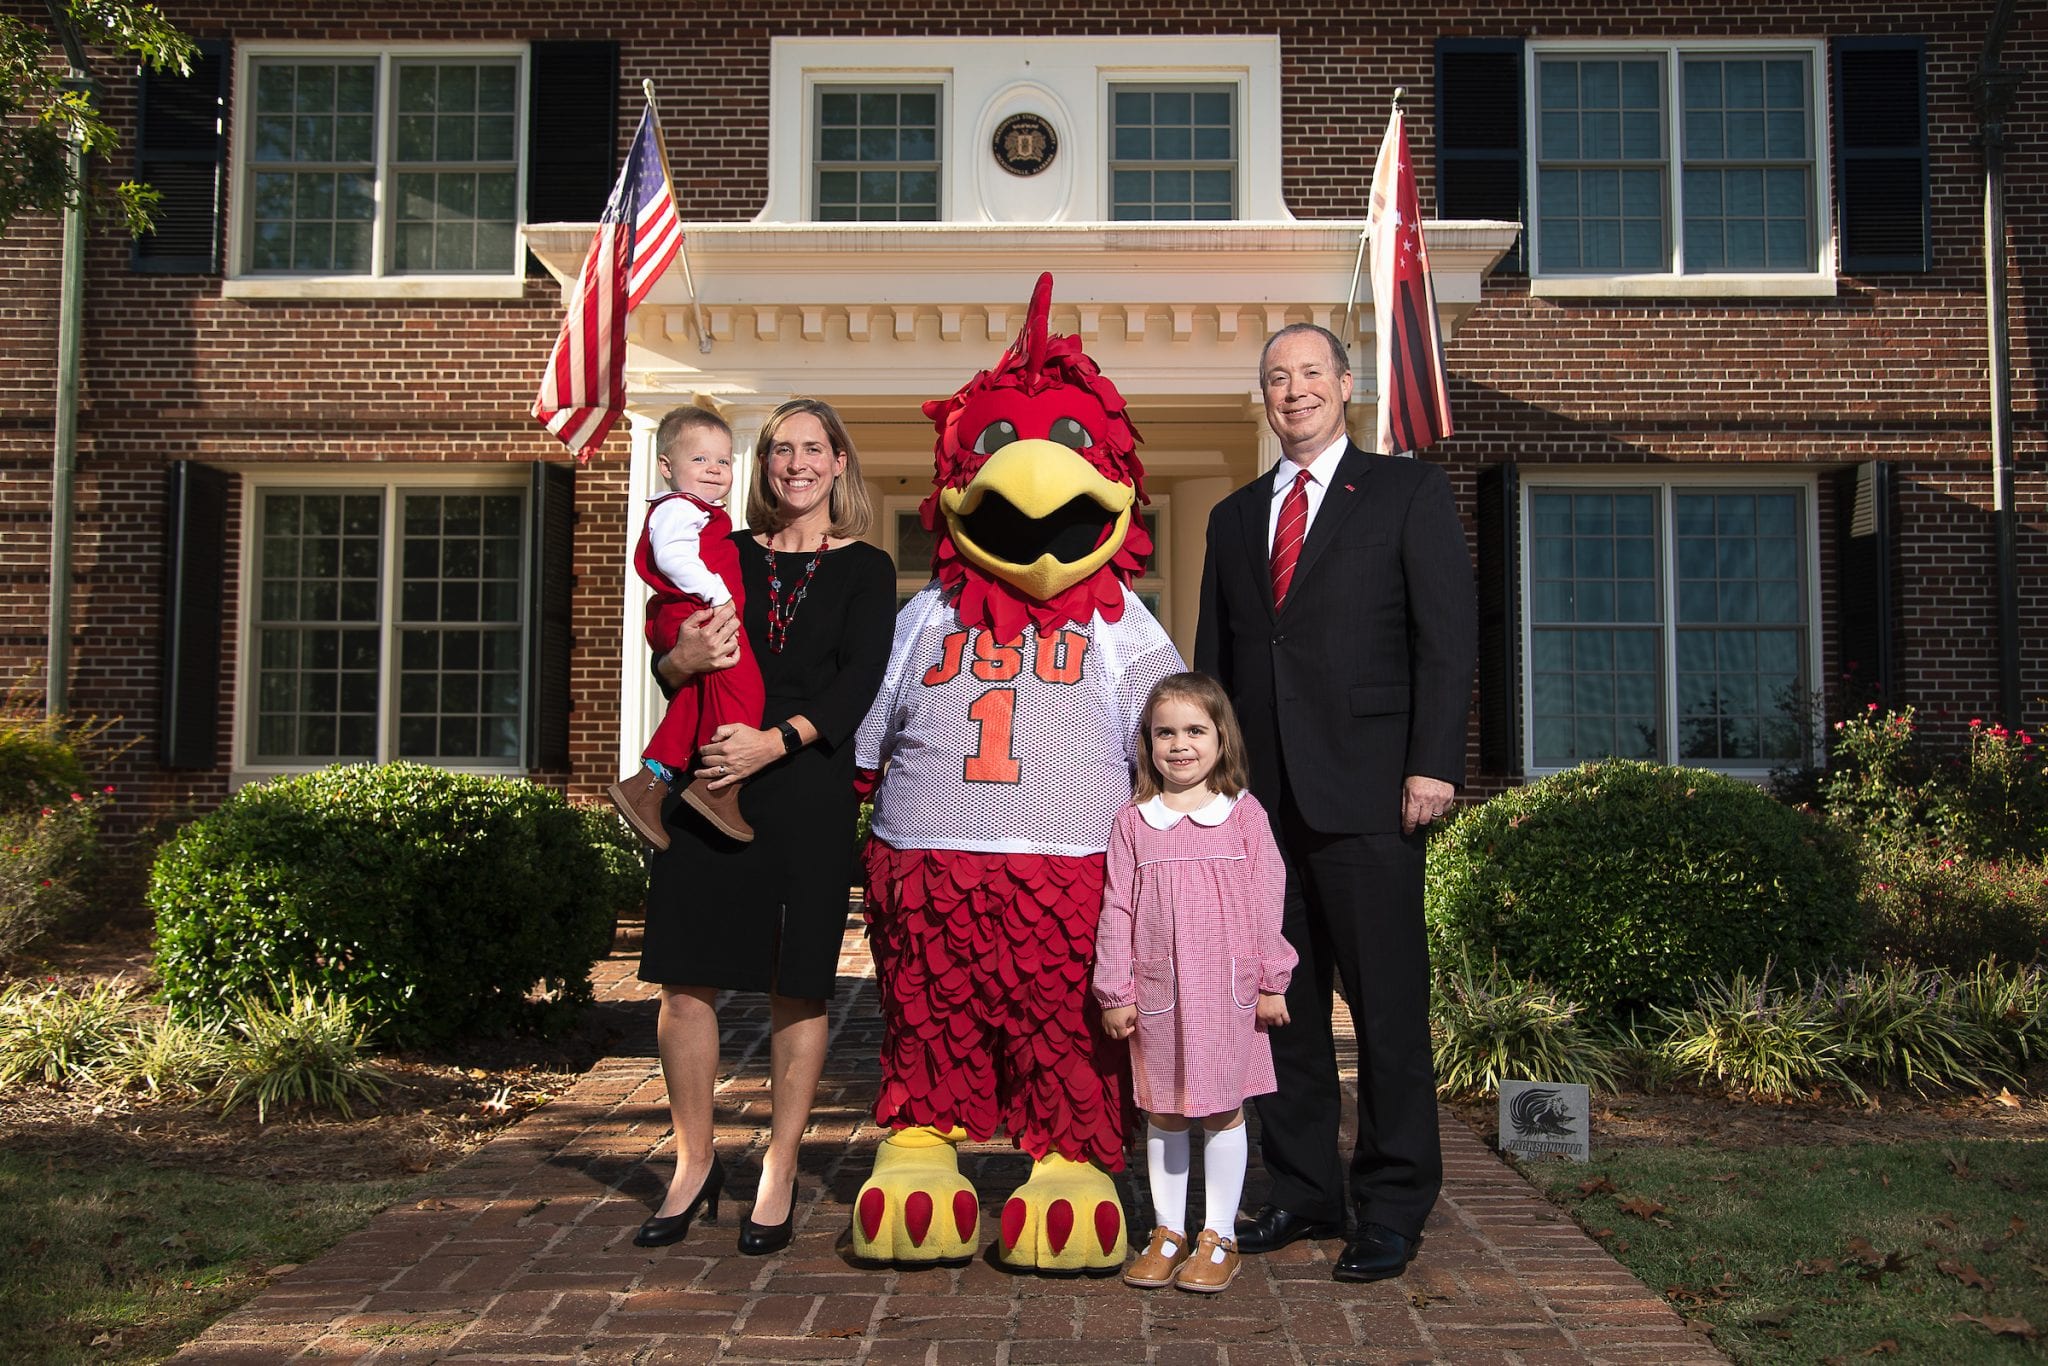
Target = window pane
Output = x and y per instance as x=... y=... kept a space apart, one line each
x=315 y=668
x=1173 y=153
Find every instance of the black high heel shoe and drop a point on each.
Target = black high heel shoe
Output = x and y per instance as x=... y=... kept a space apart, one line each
x=661 y=1230
x=758 y=1240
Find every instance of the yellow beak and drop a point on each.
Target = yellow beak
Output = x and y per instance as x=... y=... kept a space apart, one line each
x=1033 y=517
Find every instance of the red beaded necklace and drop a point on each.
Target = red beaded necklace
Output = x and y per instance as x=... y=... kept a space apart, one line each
x=780 y=614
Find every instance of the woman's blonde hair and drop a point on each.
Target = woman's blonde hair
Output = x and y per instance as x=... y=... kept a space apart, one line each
x=852 y=511
x=1232 y=773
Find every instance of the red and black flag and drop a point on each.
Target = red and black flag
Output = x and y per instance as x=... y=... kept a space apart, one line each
x=1415 y=404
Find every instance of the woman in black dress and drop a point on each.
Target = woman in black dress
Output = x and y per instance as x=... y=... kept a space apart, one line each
x=769 y=916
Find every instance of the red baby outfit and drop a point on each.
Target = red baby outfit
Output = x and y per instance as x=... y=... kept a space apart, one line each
x=1190 y=934
x=720 y=696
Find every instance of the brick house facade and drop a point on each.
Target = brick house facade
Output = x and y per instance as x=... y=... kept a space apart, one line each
x=1723 y=404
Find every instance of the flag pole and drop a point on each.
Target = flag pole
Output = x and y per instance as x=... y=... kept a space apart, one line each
x=1358 y=264
x=683 y=247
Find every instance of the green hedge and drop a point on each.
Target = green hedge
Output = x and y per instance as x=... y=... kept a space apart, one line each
x=1624 y=884
x=437 y=901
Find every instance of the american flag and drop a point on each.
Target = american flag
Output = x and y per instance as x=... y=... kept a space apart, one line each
x=1415 y=402
x=584 y=390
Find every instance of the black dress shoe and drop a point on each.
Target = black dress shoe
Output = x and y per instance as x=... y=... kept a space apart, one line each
x=1273 y=1228
x=758 y=1240
x=1376 y=1254
x=661 y=1230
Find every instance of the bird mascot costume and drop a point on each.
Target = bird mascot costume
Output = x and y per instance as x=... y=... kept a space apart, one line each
x=1003 y=738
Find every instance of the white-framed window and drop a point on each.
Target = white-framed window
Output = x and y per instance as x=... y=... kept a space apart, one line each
x=400 y=167
x=878 y=157
x=1676 y=161
x=1671 y=619
x=1173 y=151
x=384 y=619
x=910 y=545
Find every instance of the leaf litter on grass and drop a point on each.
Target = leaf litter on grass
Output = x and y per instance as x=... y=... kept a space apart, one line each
x=1794 y=1261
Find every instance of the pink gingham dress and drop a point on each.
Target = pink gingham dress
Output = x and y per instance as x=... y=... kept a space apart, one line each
x=1190 y=934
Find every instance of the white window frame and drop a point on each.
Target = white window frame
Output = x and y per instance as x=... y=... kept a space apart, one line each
x=392 y=484
x=815 y=89
x=379 y=283
x=1154 y=82
x=1666 y=484
x=1669 y=283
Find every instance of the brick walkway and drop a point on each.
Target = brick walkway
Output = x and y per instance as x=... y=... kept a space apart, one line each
x=524 y=1253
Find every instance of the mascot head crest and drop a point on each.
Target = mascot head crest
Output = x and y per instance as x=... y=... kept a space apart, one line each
x=1036 y=487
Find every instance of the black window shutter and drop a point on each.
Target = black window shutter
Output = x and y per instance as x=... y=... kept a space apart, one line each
x=195 y=568
x=1479 y=132
x=181 y=153
x=572 y=133
x=553 y=514
x=1500 y=620
x=1865 y=560
x=1881 y=189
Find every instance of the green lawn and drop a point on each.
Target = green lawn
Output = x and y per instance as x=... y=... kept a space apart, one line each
x=1812 y=1254
x=121 y=1261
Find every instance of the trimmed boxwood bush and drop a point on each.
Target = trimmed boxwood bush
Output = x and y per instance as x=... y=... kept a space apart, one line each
x=438 y=902
x=1624 y=884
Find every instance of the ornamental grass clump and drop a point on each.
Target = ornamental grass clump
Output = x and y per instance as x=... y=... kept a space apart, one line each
x=306 y=1047
x=1900 y=1026
x=2010 y=1004
x=163 y=1057
x=1622 y=884
x=57 y=1035
x=1748 y=1035
x=1487 y=1028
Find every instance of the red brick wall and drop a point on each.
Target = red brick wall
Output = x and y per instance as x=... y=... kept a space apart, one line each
x=1891 y=368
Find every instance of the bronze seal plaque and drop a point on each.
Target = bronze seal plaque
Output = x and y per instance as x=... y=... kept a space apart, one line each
x=1025 y=144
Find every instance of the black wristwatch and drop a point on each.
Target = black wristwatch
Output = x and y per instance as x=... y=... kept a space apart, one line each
x=791 y=741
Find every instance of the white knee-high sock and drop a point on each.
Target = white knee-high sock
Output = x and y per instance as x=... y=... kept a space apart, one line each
x=1224 y=1154
x=1166 y=1162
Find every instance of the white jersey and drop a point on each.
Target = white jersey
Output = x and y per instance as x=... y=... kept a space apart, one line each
x=1021 y=749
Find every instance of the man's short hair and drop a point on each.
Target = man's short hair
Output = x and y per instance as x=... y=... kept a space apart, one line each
x=1338 y=354
x=680 y=420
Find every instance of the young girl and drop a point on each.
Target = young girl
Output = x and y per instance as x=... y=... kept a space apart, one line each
x=1191 y=967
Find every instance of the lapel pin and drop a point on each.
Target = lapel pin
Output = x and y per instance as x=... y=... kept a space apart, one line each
x=1350 y=489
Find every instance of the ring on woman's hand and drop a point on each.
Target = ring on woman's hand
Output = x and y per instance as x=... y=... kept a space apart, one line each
x=723 y=770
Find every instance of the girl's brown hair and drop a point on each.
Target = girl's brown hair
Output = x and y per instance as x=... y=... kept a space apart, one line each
x=1232 y=773
x=851 y=509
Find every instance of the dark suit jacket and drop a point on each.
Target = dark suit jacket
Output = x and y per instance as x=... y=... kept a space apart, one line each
x=1366 y=675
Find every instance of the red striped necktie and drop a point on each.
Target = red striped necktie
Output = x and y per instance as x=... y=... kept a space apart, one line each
x=1288 y=535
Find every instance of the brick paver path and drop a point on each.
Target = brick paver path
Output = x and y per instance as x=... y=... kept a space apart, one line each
x=524 y=1253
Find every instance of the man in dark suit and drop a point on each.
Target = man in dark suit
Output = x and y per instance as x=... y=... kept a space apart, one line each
x=1338 y=612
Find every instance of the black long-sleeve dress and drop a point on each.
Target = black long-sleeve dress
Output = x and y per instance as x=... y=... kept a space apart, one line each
x=769 y=916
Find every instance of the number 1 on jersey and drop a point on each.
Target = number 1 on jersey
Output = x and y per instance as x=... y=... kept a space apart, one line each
x=993 y=713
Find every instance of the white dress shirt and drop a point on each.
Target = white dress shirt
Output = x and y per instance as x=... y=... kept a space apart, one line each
x=1321 y=471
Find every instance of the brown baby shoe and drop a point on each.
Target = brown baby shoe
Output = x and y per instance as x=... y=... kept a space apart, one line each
x=1160 y=1259
x=1212 y=1267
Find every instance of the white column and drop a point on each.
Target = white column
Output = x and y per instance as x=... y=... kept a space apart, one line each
x=639 y=699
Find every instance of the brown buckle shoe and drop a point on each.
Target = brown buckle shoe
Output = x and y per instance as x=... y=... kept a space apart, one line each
x=1212 y=1266
x=639 y=797
x=1159 y=1261
x=721 y=807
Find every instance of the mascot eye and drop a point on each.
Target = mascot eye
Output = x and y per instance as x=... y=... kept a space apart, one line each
x=994 y=437
x=1072 y=434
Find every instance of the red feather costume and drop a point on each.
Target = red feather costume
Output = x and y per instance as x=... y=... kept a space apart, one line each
x=1007 y=725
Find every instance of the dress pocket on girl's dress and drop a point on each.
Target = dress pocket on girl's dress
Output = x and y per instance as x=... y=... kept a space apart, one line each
x=1153 y=978
x=1244 y=982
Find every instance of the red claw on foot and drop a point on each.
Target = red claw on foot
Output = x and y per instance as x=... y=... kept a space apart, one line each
x=1059 y=1226
x=966 y=1213
x=917 y=1216
x=1013 y=1223
x=1108 y=1223
x=871 y=1206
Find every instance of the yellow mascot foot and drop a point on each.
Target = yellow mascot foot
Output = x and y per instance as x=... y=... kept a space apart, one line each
x=916 y=1207
x=1065 y=1218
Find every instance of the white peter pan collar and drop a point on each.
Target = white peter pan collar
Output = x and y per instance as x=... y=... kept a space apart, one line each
x=1160 y=816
